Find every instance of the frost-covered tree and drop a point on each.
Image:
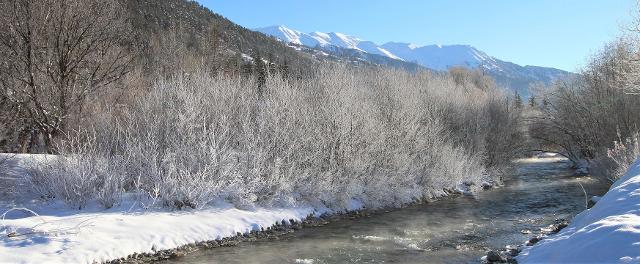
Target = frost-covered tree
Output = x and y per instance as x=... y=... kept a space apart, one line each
x=584 y=116
x=385 y=137
x=56 y=54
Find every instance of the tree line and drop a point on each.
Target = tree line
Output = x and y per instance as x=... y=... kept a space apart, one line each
x=594 y=118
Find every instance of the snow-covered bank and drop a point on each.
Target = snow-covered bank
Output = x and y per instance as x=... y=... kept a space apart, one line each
x=85 y=238
x=609 y=232
x=48 y=231
x=62 y=235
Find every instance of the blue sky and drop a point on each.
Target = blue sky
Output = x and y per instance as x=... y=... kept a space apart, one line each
x=554 y=33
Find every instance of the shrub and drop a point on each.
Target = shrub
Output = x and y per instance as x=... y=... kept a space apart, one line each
x=618 y=159
x=382 y=136
x=584 y=116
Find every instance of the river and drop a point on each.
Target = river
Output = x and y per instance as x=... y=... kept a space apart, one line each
x=452 y=230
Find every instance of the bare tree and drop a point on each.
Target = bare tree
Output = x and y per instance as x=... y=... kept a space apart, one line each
x=56 y=54
x=584 y=116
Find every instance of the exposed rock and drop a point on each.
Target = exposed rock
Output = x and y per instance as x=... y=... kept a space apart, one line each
x=555 y=228
x=511 y=251
x=176 y=254
x=533 y=241
x=493 y=256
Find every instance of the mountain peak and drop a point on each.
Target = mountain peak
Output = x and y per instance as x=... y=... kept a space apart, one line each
x=322 y=39
x=282 y=33
x=437 y=57
x=410 y=46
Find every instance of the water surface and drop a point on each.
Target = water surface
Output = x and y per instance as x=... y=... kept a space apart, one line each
x=456 y=230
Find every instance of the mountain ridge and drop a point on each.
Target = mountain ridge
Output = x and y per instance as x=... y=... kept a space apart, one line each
x=435 y=57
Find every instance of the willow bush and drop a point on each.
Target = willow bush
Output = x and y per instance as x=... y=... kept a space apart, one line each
x=384 y=137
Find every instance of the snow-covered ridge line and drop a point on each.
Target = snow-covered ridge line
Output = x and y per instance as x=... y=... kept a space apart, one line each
x=609 y=232
x=436 y=57
x=322 y=39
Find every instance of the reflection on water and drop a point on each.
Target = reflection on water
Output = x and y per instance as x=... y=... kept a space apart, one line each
x=458 y=230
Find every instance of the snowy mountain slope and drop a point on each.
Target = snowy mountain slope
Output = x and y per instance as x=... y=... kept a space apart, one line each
x=440 y=57
x=293 y=36
x=436 y=57
x=325 y=40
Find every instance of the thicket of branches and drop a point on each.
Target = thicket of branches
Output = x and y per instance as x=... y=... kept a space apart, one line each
x=62 y=60
x=597 y=111
x=182 y=116
x=55 y=54
x=384 y=137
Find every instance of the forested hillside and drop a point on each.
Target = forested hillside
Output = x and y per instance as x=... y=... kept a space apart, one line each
x=203 y=34
x=144 y=39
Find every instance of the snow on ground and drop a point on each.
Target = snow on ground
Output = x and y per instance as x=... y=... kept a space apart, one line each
x=609 y=232
x=102 y=236
x=63 y=235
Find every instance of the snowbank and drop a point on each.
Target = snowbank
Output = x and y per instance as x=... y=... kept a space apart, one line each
x=609 y=232
x=62 y=235
x=85 y=238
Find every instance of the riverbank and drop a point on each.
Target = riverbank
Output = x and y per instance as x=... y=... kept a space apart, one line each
x=34 y=230
x=452 y=229
x=272 y=233
x=609 y=232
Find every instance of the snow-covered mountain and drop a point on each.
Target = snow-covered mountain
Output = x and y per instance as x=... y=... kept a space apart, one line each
x=436 y=57
x=440 y=57
x=325 y=40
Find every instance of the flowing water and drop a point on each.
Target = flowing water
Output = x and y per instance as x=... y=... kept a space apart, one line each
x=456 y=230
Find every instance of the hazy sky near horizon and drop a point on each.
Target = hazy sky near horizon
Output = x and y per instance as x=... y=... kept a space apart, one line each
x=554 y=33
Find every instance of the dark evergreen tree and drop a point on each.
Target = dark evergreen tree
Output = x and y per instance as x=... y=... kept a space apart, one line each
x=272 y=68
x=246 y=69
x=532 y=101
x=518 y=100
x=235 y=64
x=260 y=71
x=284 y=69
